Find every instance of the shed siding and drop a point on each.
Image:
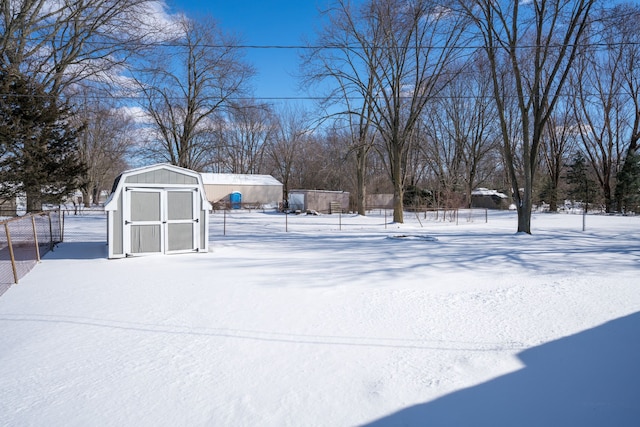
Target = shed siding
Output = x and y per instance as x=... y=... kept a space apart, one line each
x=161 y=176
x=250 y=193
x=117 y=228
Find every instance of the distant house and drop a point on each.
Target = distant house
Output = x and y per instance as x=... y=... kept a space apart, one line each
x=319 y=200
x=241 y=190
x=77 y=199
x=490 y=199
x=14 y=206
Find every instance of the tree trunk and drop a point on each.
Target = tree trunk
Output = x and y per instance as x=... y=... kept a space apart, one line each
x=361 y=195
x=34 y=201
x=553 y=197
x=86 y=198
x=608 y=196
x=555 y=180
x=524 y=209
x=524 y=220
x=398 y=191
x=398 y=207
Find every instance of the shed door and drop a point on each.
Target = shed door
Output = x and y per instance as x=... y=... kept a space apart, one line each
x=161 y=221
x=182 y=221
x=144 y=221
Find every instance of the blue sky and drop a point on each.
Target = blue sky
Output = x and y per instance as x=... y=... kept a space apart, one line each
x=265 y=22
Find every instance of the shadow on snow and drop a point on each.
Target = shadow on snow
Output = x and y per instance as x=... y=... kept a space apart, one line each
x=591 y=378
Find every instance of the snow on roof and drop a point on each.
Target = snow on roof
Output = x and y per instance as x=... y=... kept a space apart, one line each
x=487 y=192
x=238 y=179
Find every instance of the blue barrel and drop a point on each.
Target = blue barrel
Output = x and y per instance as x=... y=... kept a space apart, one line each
x=236 y=200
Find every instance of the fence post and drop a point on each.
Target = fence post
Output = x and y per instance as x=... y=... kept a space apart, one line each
x=35 y=237
x=13 y=259
x=62 y=227
x=50 y=231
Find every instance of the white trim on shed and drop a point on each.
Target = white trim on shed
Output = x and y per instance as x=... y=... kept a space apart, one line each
x=158 y=209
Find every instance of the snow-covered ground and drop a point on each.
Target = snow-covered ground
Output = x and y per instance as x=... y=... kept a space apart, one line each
x=338 y=321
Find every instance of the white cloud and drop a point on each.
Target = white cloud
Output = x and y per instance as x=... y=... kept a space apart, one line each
x=156 y=24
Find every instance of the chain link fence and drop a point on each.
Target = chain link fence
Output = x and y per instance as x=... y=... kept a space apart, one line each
x=24 y=240
x=239 y=220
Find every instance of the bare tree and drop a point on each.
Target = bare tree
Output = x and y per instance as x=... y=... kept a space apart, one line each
x=345 y=60
x=597 y=109
x=286 y=145
x=419 y=41
x=462 y=134
x=66 y=42
x=242 y=136
x=628 y=178
x=186 y=89
x=558 y=142
x=537 y=42
x=105 y=142
x=607 y=100
x=324 y=160
x=391 y=55
x=59 y=45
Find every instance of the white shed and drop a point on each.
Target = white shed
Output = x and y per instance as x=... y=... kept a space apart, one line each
x=158 y=209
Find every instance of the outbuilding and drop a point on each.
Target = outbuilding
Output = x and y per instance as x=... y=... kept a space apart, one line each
x=242 y=190
x=321 y=201
x=489 y=199
x=158 y=209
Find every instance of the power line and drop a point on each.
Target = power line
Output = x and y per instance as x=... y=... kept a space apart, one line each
x=348 y=46
x=314 y=98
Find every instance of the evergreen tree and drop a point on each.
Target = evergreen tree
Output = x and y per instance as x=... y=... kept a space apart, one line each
x=581 y=187
x=38 y=147
x=628 y=184
x=548 y=194
x=416 y=197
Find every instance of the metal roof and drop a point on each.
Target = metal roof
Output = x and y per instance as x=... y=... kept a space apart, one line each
x=238 y=179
